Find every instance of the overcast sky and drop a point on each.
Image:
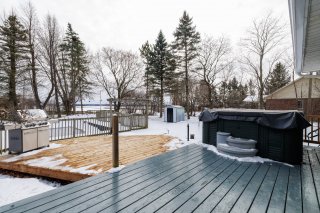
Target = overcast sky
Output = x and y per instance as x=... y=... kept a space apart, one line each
x=127 y=24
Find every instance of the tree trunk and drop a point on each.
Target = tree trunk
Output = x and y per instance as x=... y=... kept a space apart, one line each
x=56 y=92
x=34 y=83
x=187 y=82
x=161 y=96
x=261 y=88
x=81 y=101
x=209 y=95
x=13 y=101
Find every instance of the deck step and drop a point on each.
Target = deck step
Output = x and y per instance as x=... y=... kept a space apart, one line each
x=241 y=142
x=236 y=151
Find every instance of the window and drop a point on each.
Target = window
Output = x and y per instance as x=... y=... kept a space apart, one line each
x=300 y=104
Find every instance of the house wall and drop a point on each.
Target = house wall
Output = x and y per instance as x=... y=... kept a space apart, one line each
x=292 y=104
x=299 y=89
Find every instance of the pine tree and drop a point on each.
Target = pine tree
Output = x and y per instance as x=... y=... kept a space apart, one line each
x=74 y=69
x=145 y=53
x=185 y=45
x=279 y=77
x=161 y=67
x=13 y=49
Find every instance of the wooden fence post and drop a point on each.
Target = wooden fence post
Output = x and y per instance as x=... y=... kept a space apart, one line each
x=115 y=141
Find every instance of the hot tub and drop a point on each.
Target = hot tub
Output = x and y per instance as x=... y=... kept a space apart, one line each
x=279 y=134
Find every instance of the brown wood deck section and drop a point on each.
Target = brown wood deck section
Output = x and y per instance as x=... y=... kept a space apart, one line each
x=93 y=152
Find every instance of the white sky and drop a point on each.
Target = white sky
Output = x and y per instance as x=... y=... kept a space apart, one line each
x=127 y=24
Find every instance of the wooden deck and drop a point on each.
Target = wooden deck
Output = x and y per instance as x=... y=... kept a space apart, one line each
x=190 y=179
x=80 y=158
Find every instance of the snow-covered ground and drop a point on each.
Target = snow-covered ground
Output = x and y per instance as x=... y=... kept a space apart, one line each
x=178 y=130
x=13 y=189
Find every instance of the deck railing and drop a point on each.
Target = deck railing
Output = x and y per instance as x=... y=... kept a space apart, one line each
x=81 y=127
x=311 y=134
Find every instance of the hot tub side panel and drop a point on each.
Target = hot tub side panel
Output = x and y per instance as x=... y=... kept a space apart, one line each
x=279 y=145
x=209 y=132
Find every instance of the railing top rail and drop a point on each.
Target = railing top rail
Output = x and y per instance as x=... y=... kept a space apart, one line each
x=69 y=119
x=313 y=116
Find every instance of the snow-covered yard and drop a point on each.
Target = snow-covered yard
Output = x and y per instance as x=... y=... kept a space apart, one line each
x=13 y=189
x=177 y=130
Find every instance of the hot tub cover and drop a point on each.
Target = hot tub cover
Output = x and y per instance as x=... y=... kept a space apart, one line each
x=270 y=118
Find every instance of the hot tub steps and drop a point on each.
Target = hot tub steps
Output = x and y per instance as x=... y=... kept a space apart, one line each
x=236 y=151
x=241 y=142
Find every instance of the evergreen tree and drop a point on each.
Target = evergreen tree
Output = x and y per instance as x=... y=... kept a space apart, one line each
x=161 y=67
x=279 y=77
x=251 y=88
x=232 y=93
x=13 y=49
x=185 y=45
x=145 y=53
x=74 y=70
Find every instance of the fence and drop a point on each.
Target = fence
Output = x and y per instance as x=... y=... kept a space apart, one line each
x=80 y=127
x=311 y=134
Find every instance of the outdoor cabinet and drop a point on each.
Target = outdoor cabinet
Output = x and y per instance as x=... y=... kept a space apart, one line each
x=22 y=140
x=43 y=136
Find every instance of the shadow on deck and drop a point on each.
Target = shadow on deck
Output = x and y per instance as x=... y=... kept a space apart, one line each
x=189 y=179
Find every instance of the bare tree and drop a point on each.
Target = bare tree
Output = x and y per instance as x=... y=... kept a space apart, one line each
x=213 y=61
x=49 y=40
x=30 y=22
x=118 y=72
x=261 y=49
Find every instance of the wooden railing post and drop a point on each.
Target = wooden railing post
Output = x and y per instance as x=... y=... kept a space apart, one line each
x=74 y=128
x=115 y=141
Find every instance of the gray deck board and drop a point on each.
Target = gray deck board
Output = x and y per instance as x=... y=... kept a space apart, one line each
x=107 y=202
x=294 y=196
x=169 y=194
x=195 y=201
x=159 y=195
x=177 y=190
x=85 y=199
x=309 y=194
x=214 y=198
x=190 y=179
x=245 y=200
x=226 y=204
x=279 y=194
x=262 y=198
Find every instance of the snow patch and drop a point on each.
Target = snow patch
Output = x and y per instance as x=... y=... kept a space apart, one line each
x=19 y=157
x=311 y=144
x=117 y=169
x=14 y=189
x=54 y=162
x=80 y=116
x=47 y=162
